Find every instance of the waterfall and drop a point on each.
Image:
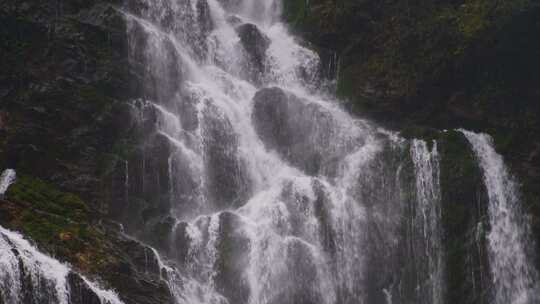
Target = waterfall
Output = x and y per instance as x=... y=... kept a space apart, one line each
x=254 y=186
x=29 y=276
x=510 y=246
x=427 y=223
x=264 y=204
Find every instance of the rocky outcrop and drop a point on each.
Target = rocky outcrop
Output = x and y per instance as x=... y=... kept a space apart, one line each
x=255 y=43
x=61 y=223
x=67 y=126
x=285 y=123
x=442 y=65
x=228 y=185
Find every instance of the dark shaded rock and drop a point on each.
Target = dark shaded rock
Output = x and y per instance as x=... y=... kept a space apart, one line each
x=255 y=43
x=180 y=243
x=465 y=222
x=301 y=285
x=64 y=224
x=79 y=291
x=233 y=248
x=228 y=185
x=322 y=209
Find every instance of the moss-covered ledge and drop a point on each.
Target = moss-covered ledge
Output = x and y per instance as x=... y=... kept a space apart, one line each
x=64 y=226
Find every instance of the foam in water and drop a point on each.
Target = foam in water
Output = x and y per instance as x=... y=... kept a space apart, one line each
x=510 y=245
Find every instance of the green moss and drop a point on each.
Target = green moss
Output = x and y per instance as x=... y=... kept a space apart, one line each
x=47 y=198
x=295 y=11
x=58 y=222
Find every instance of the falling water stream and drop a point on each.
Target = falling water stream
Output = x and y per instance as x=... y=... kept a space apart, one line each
x=509 y=241
x=29 y=276
x=275 y=194
x=271 y=183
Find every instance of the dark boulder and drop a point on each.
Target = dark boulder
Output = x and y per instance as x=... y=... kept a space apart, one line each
x=255 y=43
x=233 y=248
x=227 y=183
x=304 y=133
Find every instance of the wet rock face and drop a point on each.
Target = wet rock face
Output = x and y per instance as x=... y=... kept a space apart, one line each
x=299 y=285
x=255 y=43
x=465 y=221
x=233 y=249
x=227 y=181
x=280 y=121
x=65 y=77
x=65 y=118
x=292 y=126
x=80 y=292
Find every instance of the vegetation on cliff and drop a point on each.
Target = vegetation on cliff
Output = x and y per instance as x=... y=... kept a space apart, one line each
x=446 y=64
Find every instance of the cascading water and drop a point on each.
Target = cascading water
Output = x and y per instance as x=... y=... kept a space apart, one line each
x=262 y=188
x=510 y=246
x=29 y=276
x=255 y=187
x=427 y=218
x=272 y=187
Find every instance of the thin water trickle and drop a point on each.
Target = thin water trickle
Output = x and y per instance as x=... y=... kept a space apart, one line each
x=427 y=220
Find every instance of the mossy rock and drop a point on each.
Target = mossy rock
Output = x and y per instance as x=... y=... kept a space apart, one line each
x=44 y=197
x=56 y=221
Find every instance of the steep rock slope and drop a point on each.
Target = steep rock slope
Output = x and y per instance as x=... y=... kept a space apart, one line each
x=445 y=64
x=66 y=125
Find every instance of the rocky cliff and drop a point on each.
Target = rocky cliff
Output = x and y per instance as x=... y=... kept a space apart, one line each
x=65 y=82
x=420 y=65
x=75 y=124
